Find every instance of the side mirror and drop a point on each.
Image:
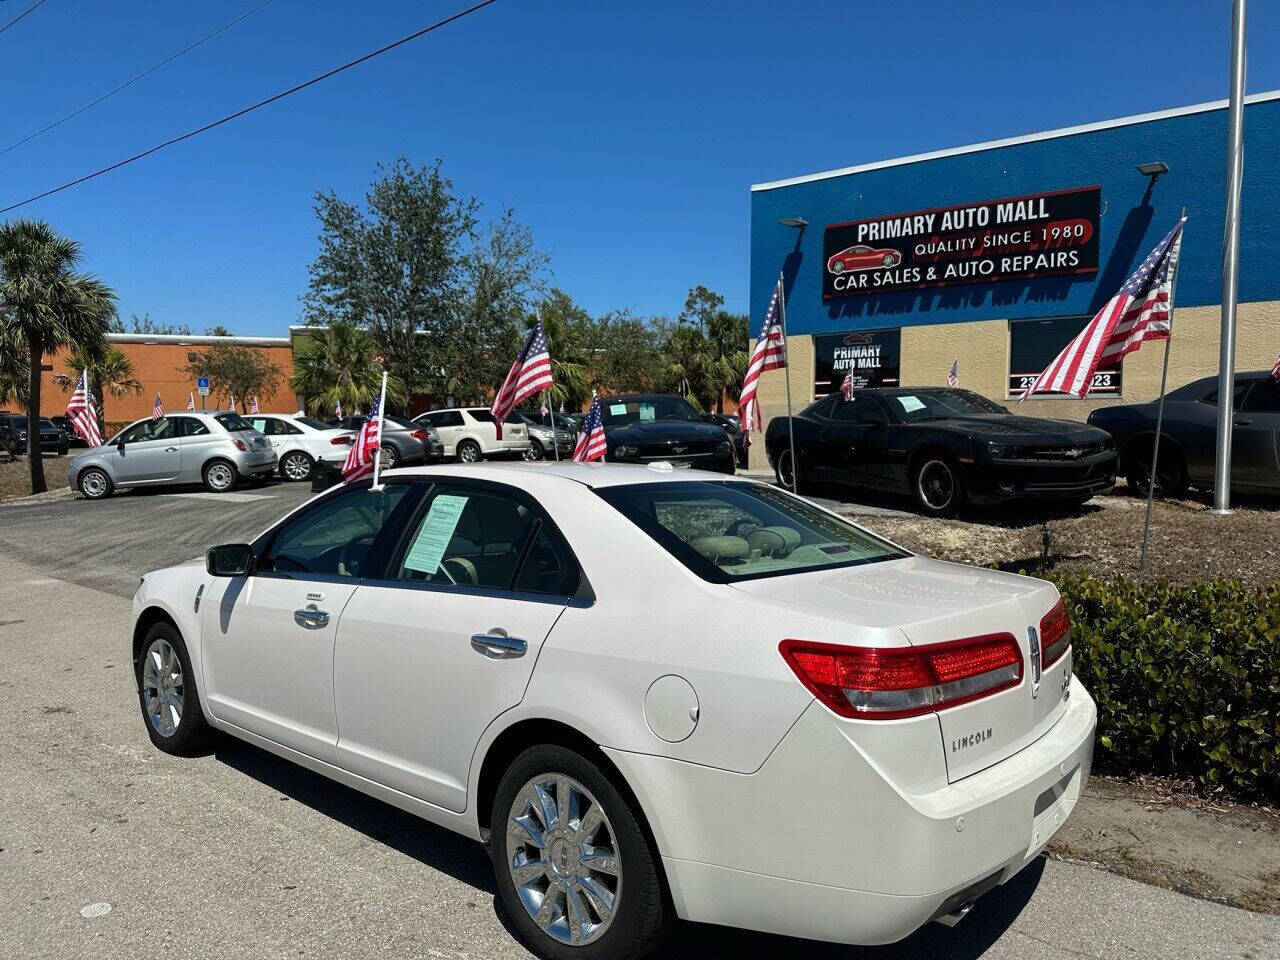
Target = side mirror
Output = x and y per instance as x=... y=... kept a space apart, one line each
x=229 y=560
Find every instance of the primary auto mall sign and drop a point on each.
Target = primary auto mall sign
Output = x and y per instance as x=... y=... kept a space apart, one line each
x=1016 y=238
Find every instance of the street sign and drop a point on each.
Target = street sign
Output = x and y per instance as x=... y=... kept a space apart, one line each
x=202 y=386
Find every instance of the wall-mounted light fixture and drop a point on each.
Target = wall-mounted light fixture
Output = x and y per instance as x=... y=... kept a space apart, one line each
x=798 y=223
x=1153 y=169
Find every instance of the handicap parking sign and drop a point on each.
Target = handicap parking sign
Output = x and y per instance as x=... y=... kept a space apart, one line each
x=202 y=386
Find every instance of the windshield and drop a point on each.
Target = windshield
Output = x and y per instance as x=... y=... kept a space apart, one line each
x=940 y=404
x=622 y=413
x=311 y=422
x=729 y=531
x=233 y=422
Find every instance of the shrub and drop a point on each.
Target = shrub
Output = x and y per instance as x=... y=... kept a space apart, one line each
x=1186 y=677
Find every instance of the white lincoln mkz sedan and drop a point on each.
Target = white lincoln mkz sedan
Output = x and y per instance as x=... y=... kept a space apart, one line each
x=652 y=693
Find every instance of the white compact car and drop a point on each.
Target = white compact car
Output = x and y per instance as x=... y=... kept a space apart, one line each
x=299 y=441
x=470 y=434
x=652 y=693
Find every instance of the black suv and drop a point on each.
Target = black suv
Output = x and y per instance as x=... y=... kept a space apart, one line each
x=13 y=435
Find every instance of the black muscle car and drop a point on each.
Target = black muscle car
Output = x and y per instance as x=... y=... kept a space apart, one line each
x=1190 y=433
x=644 y=428
x=944 y=446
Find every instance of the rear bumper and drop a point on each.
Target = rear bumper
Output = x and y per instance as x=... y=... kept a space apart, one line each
x=995 y=482
x=820 y=843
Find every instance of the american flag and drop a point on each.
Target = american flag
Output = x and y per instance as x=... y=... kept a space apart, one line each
x=591 y=445
x=769 y=354
x=157 y=409
x=363 y=454
x=953 y=377
x=337 y=409
x=253 y=407
x=1275 y=371
x=191 y=400
x=530 y=373
x=1139 y=312
x=84 y=419
x=231 y=404
x=846 y=385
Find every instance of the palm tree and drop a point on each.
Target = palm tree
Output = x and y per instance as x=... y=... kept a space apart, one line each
x=110 y=373
x=339 y=366
x=689 y=370
x=728 y=356
x=563 y=322
x=48 y=305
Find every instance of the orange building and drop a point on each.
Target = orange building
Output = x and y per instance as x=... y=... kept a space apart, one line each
x=157 y=364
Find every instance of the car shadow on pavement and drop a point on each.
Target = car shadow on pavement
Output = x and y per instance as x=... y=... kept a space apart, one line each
x=466 y=860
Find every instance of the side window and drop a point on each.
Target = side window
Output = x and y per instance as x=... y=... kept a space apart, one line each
x=478 y=538
x=432 y=418
x=162 y=429
x=191 y=427
x=260 y=424
x=1237 y=395
x=1264 y=397
x=334 y=537
x=281 y=428
x=859 y=410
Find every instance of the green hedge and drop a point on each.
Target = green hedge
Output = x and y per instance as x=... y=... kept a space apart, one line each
x=1187 y=678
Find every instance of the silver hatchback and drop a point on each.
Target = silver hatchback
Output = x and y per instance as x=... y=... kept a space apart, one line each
x=215 y=449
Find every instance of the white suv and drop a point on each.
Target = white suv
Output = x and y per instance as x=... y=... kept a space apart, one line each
x=299 y=441
x=470 y=434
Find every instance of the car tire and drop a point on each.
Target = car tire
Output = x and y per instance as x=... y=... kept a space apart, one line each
x=938 y=486
x=220 y=476
x=469 y=451
x=390 y=456
x=888 y=260
x=167 y=692
x=782 y=473
x=1171 y=475
x=535 y=452
x=837 y=267
x=626 y=872
x=94 y=484
x=295 y=466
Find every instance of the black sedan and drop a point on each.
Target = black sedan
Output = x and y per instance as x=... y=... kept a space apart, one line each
x=1190 y=433
x=944 y=446
x=730 y=425
x=645 y=428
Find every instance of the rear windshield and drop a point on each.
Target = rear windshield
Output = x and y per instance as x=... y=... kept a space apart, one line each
x=729 y=531
x=233 y=422
x=312 y=422
x=403 y=423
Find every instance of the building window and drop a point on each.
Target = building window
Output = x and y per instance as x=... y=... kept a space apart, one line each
x=869 y=357
x=1033 y=345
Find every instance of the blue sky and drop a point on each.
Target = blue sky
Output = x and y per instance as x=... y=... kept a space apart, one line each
x=626 y=135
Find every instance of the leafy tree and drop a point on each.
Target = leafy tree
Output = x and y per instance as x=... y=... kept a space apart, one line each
x=47 y=304
x=688 y=372
x=728 y=336
x=339 y=366
x=110 y=373
x=145 y=324
x=217 y=330
x=700 y=307
x=626 y=352
x=235 y=371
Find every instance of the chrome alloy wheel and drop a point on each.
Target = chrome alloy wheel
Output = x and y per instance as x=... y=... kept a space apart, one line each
x=937 y=485
x=220 y=477
x=296 y=466
x=563 y=857
x=163 y=690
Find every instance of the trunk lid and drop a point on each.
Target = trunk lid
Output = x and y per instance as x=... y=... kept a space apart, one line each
x=928 y=602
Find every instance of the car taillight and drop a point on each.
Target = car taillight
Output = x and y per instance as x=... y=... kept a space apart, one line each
x=418 y=434
x=240 y=445
x=1055 y=634
x=874 y=683
x=340 y=441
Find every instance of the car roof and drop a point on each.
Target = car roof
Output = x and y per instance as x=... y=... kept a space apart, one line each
x=595 y=475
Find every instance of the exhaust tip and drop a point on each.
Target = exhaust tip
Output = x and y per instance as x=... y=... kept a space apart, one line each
x=955 y=916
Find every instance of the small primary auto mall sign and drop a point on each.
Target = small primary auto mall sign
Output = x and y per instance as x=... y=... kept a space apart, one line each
x=1016 y=238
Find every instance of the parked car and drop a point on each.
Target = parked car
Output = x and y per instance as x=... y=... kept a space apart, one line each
x=63 y=423
x=644 y=428
x=216 y=449
x=404 y=442
x=733 y=428
x=541 y=433
x=622 y=678
x=944 y=446
x=470 y=434
x=1189 y=436
x=300 y=441
x=13 y=435
x=862 y=257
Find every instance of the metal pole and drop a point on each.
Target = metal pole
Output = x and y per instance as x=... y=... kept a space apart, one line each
x=786 y=358
x=1230 y=264
x=381 y=415
x=551 y=415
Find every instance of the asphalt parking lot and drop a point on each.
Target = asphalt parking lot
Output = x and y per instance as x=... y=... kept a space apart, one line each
x=109 y=848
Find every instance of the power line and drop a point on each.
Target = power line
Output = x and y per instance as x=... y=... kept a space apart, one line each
x=249 y=109
x=21 y=15
x=128 y=83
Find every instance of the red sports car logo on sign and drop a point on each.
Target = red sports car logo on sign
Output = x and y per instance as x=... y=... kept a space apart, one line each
x=862 y=257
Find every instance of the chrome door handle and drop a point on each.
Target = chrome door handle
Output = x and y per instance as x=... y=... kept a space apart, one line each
x=497 y=645
x=170 y=449
x=311 y=618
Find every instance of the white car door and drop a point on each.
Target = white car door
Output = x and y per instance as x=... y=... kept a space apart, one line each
x=430 y=654
x=268 y=638
x=449 y=425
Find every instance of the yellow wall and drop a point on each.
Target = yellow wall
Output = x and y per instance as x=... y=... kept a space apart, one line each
x=982 y=348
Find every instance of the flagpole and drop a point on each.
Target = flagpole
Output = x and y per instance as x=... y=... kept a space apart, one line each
x=1164 y=379
x=551 y=415
x=786 y=358
x=377 y=455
